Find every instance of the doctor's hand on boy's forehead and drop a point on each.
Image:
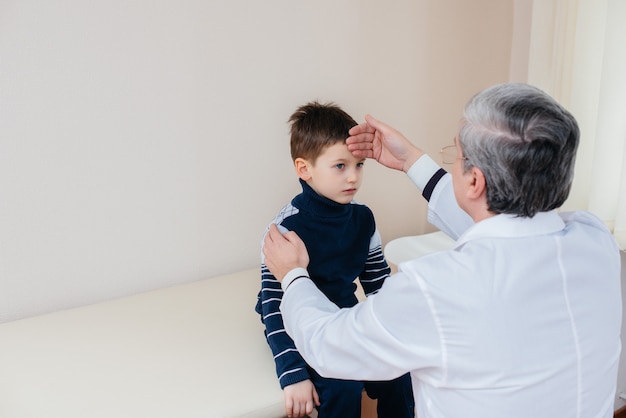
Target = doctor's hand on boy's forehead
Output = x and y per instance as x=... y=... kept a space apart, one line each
x=377 y=140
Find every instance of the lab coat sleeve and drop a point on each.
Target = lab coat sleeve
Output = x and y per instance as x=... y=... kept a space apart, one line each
x=443 y=209
x=389 y=334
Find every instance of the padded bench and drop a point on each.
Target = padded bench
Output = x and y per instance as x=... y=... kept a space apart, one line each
x=193 y=350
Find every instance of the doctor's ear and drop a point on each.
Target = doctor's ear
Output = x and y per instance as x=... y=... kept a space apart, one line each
x=477 y=183
x=302 y=168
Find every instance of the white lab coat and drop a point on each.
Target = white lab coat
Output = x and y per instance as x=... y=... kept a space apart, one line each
x=520 y=319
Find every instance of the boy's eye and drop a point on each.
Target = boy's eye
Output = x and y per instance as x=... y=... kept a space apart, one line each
x=340 y=166
x=361 y=164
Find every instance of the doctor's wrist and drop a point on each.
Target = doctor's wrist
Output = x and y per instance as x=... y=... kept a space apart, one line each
x=293 y=275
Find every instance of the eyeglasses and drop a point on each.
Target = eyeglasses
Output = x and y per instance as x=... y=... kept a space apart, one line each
x=450 y=154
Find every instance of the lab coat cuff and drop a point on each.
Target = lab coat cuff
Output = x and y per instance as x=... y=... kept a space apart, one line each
x=422 y=171
x=293 y=275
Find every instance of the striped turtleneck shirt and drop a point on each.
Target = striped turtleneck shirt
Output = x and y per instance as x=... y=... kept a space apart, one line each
x=343 y=244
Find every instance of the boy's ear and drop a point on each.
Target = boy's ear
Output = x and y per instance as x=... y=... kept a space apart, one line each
x=302 y=168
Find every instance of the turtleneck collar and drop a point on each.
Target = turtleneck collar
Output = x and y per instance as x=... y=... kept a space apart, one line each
x=310 y=201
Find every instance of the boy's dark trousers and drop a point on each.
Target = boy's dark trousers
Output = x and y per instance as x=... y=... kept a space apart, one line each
x=342 y=398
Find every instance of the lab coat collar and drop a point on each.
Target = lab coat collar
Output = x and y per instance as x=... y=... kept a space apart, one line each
x=511 y=226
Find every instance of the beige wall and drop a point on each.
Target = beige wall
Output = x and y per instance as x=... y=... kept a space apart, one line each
x=144 y=143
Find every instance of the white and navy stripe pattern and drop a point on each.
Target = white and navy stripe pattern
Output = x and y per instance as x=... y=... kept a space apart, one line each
x=343 y=244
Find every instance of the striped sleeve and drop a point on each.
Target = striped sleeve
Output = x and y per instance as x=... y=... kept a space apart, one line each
x=290 y=367
x=376 y=268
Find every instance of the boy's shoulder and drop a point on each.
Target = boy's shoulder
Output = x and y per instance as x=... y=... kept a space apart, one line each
x=362 y=207
x=291 y=209
x=359 y=204
x=285 y=212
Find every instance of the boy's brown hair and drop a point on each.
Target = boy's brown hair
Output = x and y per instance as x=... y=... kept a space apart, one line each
x=315 y=126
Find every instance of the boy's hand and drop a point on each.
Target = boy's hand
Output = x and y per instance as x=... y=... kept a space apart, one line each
x=300 y=399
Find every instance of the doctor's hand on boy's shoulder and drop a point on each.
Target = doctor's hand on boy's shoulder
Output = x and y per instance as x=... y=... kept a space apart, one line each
x=284 y=252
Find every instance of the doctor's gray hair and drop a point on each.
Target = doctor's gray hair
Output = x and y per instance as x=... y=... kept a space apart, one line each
x=525 y=144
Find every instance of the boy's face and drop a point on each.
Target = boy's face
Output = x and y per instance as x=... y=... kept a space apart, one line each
x=336 y=174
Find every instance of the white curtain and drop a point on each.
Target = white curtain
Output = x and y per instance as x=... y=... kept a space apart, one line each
x=578 y=54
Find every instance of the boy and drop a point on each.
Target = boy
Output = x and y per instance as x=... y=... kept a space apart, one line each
x=343 y=243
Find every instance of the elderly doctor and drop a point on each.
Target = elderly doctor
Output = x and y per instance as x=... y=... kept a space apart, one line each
x=521 y=318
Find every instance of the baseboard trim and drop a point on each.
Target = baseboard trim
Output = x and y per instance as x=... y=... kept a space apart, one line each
x=620 y=413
